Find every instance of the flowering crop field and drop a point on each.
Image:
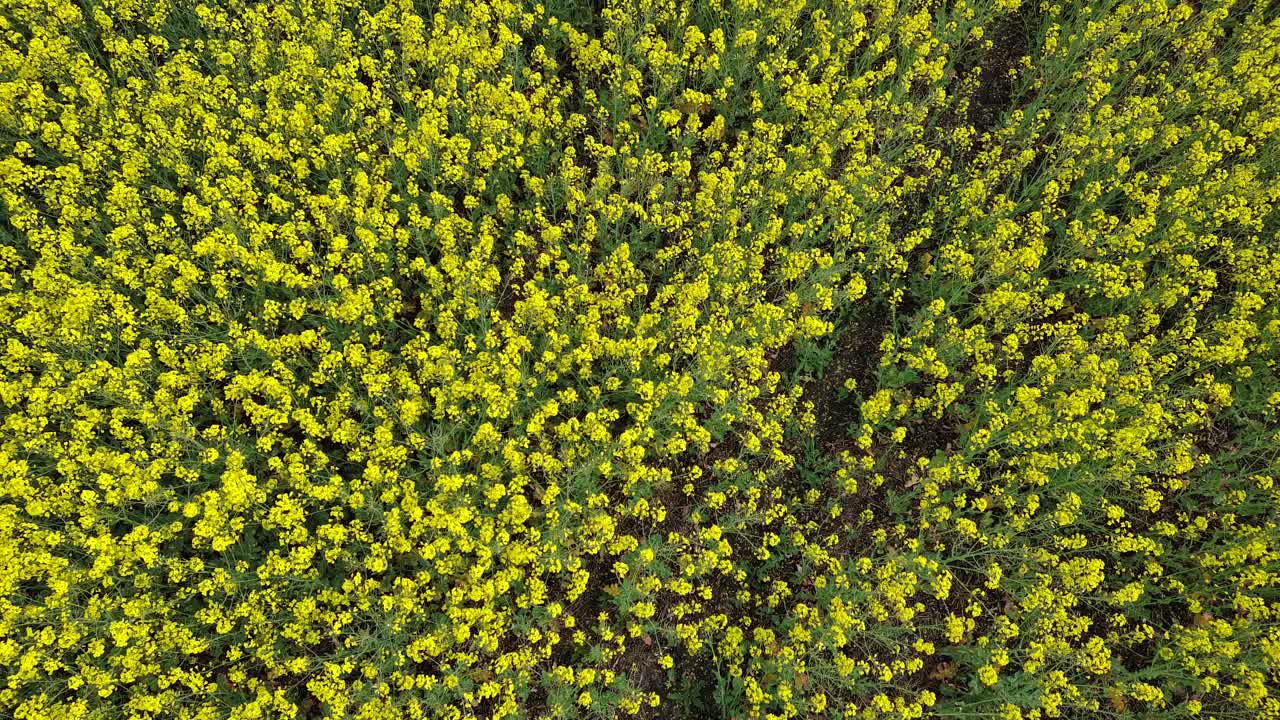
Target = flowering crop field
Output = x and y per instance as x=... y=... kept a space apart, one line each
x=863 y=359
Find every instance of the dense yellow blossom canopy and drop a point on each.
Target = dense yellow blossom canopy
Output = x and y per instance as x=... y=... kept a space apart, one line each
x=860 y=359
